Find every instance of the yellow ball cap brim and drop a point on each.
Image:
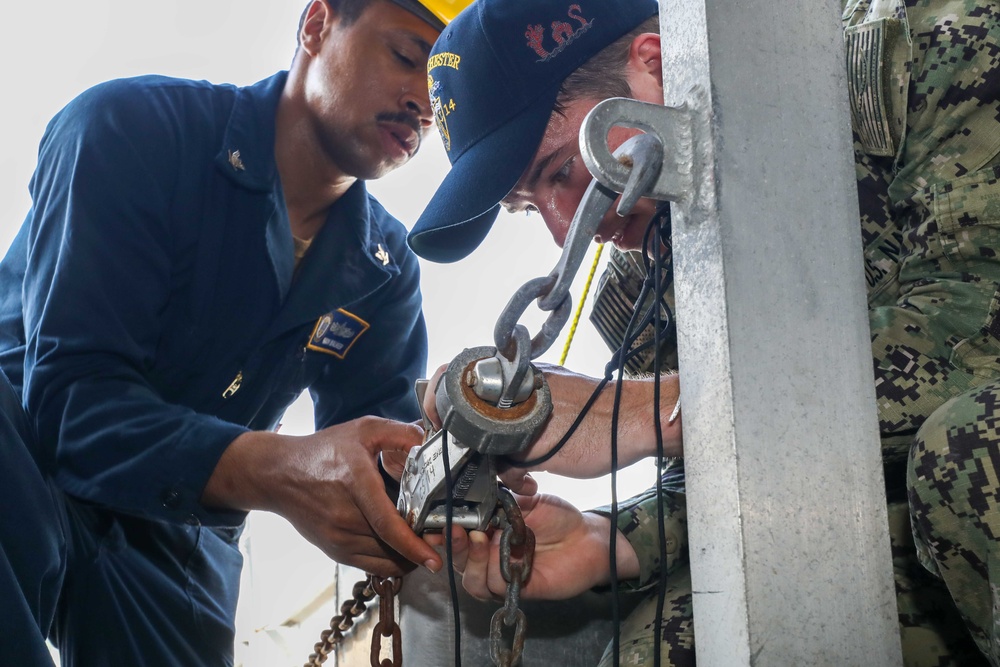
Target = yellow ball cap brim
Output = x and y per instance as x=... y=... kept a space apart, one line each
x=446 y=10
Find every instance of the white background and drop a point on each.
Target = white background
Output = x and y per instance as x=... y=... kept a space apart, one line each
x=51 y=51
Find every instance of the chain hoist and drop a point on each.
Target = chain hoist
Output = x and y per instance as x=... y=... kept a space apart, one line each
x=493 y=402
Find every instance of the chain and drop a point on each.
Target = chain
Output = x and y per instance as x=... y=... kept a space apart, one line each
x=517 y=552
x=387 y=590
x=363 y=593
x=639 y=161
x=517 y=542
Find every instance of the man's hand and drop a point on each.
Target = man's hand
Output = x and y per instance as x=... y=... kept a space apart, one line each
x=571 y=553
x=328 y=486
x=394 y=460
x=588 y=452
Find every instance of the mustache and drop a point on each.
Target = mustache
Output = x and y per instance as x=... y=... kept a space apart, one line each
x=402 y=118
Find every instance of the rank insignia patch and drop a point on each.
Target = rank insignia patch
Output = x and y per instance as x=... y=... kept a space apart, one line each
x=336 y=332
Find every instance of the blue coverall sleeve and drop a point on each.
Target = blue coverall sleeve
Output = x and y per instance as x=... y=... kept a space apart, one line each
x=380 y=371
x=98 y=279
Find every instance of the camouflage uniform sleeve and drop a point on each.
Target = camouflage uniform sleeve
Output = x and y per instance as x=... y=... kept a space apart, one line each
x=637 y=520
x=925 y=95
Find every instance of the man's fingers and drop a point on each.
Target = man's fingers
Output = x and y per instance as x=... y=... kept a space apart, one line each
x=430 y=405
x=475 y=577
x=382 y=434
x=394 y=462
x=519 y=481
x=383 y=567
x=395 y=532
x=436 y=540
x=459 y=546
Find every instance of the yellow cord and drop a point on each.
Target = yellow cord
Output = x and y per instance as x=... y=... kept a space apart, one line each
x=579 y=308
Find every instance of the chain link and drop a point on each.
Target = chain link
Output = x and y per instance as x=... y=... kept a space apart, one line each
x=503 y=331
x=387 y=590
x=517 y=552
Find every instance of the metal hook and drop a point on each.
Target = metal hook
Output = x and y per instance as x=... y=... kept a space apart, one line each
x=670 y=126
x=644 y=153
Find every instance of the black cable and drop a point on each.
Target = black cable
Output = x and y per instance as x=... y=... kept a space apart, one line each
x=654 y=281
x=613 y=541
x=617 y=363
x=632 y=332
x=530 y=463
x=661 y=588
x=654 y=276
x=449 y=510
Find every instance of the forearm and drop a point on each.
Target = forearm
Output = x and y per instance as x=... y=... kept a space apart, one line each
x=328 y=486
x=135 y=454
x=639 y=523
x=641 y=424
x=254 y=464
x=588 y=452
x=930 y=346
x=626 y=561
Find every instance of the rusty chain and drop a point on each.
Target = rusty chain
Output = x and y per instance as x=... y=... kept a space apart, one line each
x=517 y=552
x=362 y=593
x=387 y=627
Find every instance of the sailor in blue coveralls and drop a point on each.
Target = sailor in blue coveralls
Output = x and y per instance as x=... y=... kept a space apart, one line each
x=195 y=257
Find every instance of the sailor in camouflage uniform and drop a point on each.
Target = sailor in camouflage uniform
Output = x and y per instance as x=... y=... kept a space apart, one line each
x=927 y=145
x=924 y=85
x=930 y=201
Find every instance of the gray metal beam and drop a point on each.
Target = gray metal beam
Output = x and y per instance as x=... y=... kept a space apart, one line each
x=788 y=530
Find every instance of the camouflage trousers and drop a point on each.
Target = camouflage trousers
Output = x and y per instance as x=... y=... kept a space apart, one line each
x=954 y=496
x=931 y=625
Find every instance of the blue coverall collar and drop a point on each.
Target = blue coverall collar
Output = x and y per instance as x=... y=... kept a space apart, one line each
x=247 y=152
x=349 y=258
x=343 y=265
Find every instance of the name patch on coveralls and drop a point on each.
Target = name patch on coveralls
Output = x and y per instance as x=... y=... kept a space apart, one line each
x=336 y=332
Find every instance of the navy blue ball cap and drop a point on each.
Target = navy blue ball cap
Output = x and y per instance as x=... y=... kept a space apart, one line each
x=493 y=77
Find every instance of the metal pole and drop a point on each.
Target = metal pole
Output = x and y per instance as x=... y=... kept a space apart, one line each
x=788 y=529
